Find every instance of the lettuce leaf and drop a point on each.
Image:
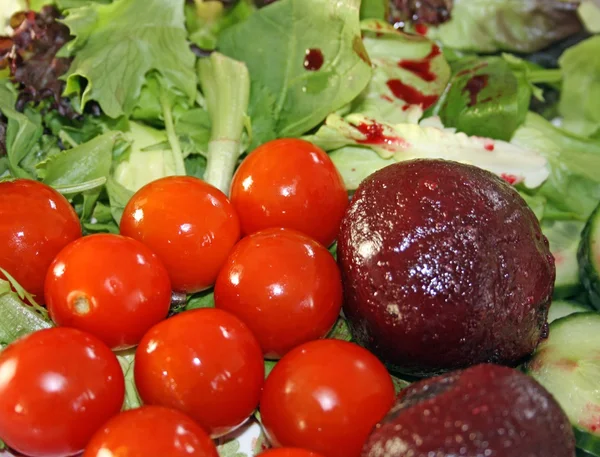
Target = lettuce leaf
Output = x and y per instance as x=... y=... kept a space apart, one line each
x=118 y=44
x=580 y=97
x=589 y=12
x=409 y=74
x=428 y=140
x=288 y=99
x=573 y=187
x=22 y=131
x=488 y=26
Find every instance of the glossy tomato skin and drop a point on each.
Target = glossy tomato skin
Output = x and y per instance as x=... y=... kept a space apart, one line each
x=188 y=223
x=57 y=387
x=148 y=431
x=326 y=396
x=36 y=222
x=290 y=183
x=285 y=286
x=289 y=452
x=205 y=363
x=109 y=285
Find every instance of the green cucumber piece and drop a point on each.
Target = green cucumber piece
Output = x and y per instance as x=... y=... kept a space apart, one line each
x=567 y=364
x=564 y=238
x=589 y=258
x=563 y=308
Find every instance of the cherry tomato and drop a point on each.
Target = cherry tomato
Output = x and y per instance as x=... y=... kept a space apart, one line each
x=148 y=431
x=205 y=363
x=326 y=396
x=285 y=286
x=190 y=224
x=290 y=183
x=36 y=222
x=57 y=387
x=109 y=285
x=289 y=452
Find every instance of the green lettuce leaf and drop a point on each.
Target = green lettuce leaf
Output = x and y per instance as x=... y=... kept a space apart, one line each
x=589 y=13
x=205 y=20
x=375 y=9
x=22 y=133
x=83 y=169
x=484 y=98
x=488 y=26
x=428 y=140
x=132 y=397
x=409 y=74
x=145 y=162
x=225 y=83
x=118 y=197
x=288 y=99
x=580 y=97
x=573 y=187
x=17 y=318
x=118 y=44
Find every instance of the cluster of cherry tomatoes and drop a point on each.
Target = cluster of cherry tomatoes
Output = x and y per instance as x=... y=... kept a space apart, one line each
x=201 y=374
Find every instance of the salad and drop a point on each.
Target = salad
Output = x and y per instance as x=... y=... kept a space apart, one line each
x=165 y=165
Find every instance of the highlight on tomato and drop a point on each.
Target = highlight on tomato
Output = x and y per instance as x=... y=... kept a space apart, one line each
x=57 y=387
x=205 y=363
x=188 y=223
x=326 y=396
x=285 y=286
x=36 y=222
x=151 y=431
x=109 y=285
x=290 y=183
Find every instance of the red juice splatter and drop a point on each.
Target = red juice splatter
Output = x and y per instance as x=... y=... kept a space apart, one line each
x=475 y=85
x=472 y=70
x=410 y=95
x=489 y=146
x=422 y=68
x=313 y=59
x=511 y=179
x=421 y=29
x=374 y=134
x=387 y=98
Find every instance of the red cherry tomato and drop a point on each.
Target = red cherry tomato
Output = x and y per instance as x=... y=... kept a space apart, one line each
x=205 y=363
x=190 y=225
x=57 y=387
x=290 y=183
x=109 y=285
x=148 y=431
x=36 y=222
x=289 y=452
x=285 y=286
x=326 y=396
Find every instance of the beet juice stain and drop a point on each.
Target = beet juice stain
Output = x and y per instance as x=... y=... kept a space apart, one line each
x=410 y=95
x=313 y=59
x=475 y=85
x=422 y=67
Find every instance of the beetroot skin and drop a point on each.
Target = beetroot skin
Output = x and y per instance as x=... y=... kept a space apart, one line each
x=486 y=410
x=444 y=266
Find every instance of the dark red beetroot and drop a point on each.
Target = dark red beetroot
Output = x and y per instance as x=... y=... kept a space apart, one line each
x=486 y=410
x=444 y=266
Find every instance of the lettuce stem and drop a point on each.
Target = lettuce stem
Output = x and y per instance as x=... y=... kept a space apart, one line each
x=226 y=87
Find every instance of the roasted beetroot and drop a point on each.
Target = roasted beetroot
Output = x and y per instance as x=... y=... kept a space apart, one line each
x=444 y=266
x=487 y=410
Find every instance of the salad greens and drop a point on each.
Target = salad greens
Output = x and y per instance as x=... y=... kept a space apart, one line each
x=98 y=98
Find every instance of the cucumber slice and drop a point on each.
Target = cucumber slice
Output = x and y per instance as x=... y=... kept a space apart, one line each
x=589 y=258
x=567 y=364
x=564 y=238
x=562 y=308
